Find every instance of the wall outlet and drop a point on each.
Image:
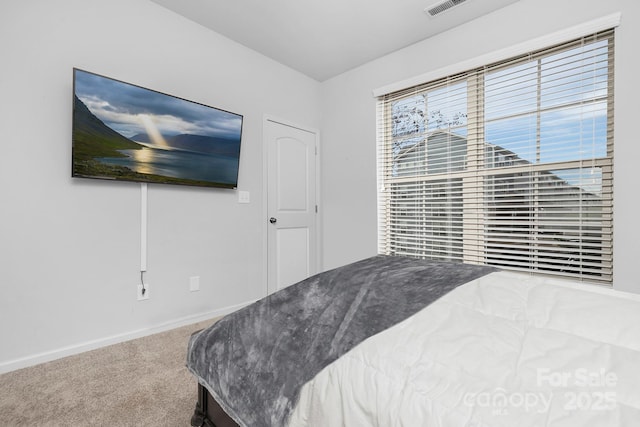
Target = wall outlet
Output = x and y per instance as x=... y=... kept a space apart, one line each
x=143 y=295
x=244 y=197
x=194 y=283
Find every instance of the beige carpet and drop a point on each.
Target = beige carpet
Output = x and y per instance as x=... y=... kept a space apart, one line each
x=143 y=382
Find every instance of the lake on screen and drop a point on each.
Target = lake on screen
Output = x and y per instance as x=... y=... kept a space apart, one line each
x=178 y=164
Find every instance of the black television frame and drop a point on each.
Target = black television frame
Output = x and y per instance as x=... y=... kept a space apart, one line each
x=102 y=150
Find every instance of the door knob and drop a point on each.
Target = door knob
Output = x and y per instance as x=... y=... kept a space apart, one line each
x=273 y=220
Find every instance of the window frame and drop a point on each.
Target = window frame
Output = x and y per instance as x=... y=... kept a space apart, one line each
x=474 y=216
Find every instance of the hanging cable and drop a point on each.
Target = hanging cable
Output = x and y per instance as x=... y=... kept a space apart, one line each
x=144 y=289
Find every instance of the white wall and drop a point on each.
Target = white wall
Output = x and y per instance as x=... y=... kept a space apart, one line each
x=70 y=248
x=348 y=123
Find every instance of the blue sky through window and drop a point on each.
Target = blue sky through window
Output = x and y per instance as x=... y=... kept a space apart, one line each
x=547 y=110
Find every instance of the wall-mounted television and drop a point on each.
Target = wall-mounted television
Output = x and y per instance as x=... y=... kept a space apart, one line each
x=122 y=131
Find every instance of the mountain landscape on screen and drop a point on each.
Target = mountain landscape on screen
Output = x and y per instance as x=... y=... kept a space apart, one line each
x=125 y=132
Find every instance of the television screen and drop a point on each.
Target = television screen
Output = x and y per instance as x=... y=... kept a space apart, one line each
x=126 y=132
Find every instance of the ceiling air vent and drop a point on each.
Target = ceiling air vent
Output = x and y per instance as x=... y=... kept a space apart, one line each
x=442 y=6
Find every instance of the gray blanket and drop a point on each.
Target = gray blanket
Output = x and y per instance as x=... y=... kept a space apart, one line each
x=255 y=361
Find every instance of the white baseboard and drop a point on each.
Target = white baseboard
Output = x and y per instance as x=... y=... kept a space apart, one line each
x=48 y=356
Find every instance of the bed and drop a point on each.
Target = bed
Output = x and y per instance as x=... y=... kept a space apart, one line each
x=394 y=341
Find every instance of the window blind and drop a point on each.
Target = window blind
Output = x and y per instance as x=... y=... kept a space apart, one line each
x=509 y=164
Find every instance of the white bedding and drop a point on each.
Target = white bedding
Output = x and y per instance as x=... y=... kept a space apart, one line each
x=509 y=349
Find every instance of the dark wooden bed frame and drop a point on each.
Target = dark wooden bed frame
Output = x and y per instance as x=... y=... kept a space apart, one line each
x=209 y=413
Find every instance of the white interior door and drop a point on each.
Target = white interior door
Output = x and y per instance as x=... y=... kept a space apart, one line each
x=291 y=204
